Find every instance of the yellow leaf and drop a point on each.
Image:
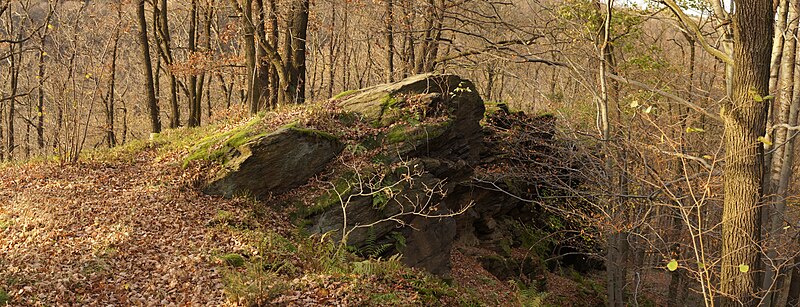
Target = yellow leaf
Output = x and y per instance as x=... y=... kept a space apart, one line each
x=634 y=104
x=648 y=110
x=672 y=265
x=765 y=140
x=744 y=268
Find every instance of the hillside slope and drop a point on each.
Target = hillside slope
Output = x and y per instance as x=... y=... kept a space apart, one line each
x=125 y=232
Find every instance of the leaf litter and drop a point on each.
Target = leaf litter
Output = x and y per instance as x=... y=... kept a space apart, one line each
x=113 y=233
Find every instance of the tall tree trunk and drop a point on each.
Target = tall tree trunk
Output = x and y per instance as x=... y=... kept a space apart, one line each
x=152 y=104
x=389 y=40
x=195 y=91
x=615 y=240
x=274 y=79
x=253 y=92
x=744 y=120
x=164 y=51
x=111 y=138
x=13 y=84
x=408 y=40
x=332 y=52
x=782 y=146
x=40 y=86
x=262 y=64
x=296 y=33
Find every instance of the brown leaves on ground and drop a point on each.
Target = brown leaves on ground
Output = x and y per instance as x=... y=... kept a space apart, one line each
x=120 y=233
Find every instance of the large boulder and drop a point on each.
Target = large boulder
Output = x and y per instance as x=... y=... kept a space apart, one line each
x=275 y=163
x=426 y=96
x=433 y=124
x=413 y=147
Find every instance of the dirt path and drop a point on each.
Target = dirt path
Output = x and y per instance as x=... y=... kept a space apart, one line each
x=124 y=233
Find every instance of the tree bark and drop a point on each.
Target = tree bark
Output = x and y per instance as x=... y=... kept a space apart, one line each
x=744 y=119
x=195 y=89
x=164 y=51
x=152 y=104
x=295 y=59
x=389 y=40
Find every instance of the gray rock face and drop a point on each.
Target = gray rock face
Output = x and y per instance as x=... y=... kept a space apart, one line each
x=275 y=163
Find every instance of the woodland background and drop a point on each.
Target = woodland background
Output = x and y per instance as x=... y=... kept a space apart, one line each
x=637 y=89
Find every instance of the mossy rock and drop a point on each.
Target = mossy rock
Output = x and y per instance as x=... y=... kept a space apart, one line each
x=218 y=147
x=413 y=134
x=273 y=163
x=385 y=104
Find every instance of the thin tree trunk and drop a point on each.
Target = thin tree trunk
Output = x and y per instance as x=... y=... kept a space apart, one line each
x=14 y=73
x=164 y=51
x=274 y=79
x=389 y=40
x=40 y=90
x=778 y=157
x=332 y=52
x=262 y=66
x=195 y=91
x=296 y=35
x=111 y=138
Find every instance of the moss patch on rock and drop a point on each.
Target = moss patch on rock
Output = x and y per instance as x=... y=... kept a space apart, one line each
x=344 y=94
x=216 y=147
x=406 y=133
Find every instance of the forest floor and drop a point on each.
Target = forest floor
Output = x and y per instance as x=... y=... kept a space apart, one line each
x=128 y=232
x=129 y=227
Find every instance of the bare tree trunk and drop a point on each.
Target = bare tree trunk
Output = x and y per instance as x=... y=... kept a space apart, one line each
x=274 y=79
x=780 y=149
x=615 y=266
x=40 y=90
x=195 y=91
x=253 y=91
x=408 y=41
x=389 y=40
x=263 y=66
x=332 y=51
x=296 y=32
x=13 y=84
x=111 y=138
x=164 y=50
x=744 y=120
x=152 y=104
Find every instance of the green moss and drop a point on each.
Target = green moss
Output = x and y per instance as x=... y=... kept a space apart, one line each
x=4 y=298
x=4 y=222
x=234 y=260
x=404 y=133
x=328 y=198
x=397 y=134
x=216 y=147
x=389 y=101
x=316 y=133
x=385 y=299
x=344 y=94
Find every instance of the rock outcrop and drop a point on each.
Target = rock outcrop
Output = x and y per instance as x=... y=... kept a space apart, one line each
x=274 y=163
x=442 y=154
x=417 y=192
